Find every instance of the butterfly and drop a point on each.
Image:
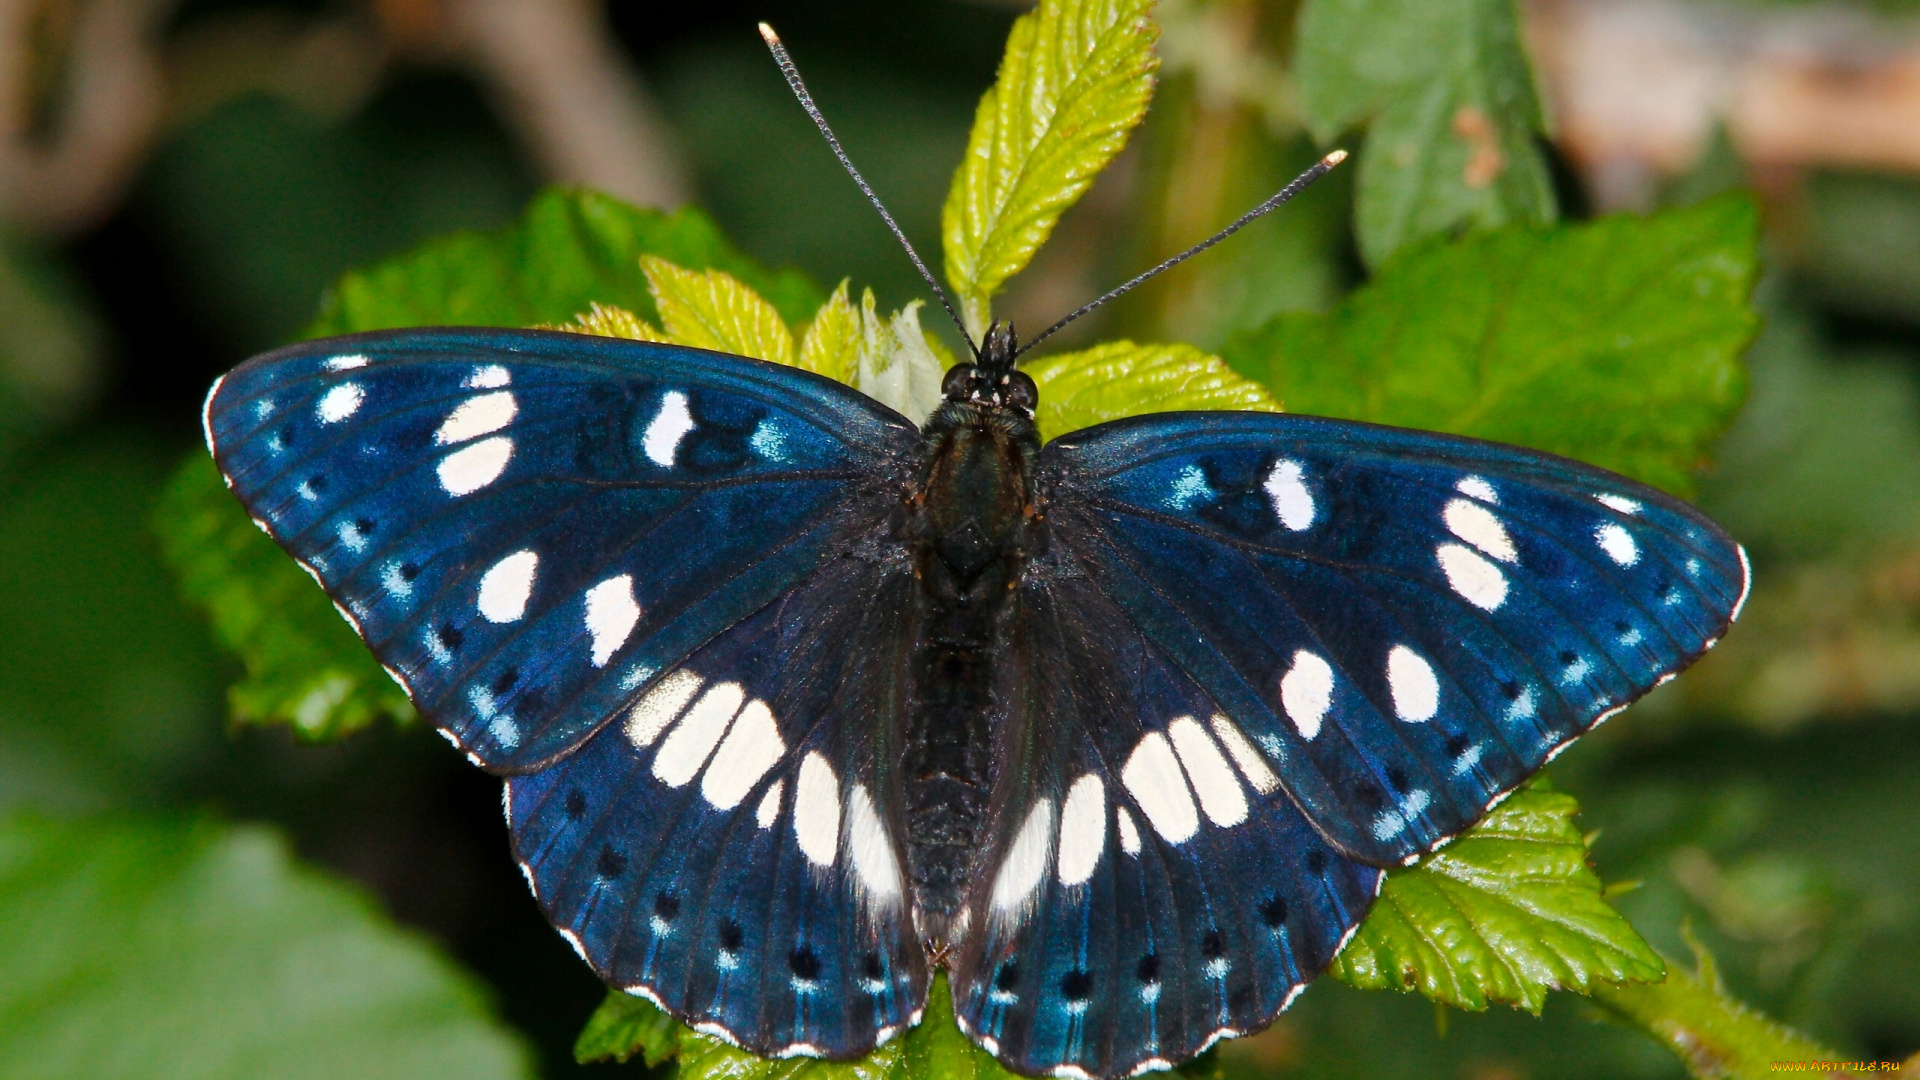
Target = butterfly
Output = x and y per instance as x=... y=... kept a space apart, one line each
x=796 y=702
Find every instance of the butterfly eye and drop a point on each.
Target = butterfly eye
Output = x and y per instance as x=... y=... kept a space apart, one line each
x=959 y=378
x=1021 y=393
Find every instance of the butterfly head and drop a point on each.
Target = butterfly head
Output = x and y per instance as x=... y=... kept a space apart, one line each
x=991 y=381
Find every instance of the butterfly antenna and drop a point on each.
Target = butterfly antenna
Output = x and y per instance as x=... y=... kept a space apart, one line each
x=806 y=102
x=1320 y=168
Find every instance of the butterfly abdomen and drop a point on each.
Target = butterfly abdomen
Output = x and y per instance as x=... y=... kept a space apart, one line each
x=971 y=528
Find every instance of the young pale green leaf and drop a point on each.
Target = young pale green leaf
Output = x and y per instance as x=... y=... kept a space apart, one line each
x=625 y=1027
x=144 y=948
x=1719 y=1038
x=1074 y=81
x=1452 y=107
x=889 y=358
x=1506 y=913
x=1121 y=378
x=1616 y=342
x=572 y=250
x=607 y=320
x=898 y=364
x=831 y=346
x=712 y=309
x=305 y=667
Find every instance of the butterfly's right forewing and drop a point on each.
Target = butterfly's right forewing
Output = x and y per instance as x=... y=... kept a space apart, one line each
x=529 y=528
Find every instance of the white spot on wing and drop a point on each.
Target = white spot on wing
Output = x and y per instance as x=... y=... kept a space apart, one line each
x=1617 y=543
x=1478 y=487
x=395 y=582
x=612 y=613
x=1306 y=692
x=1189 y=487
x=339 y=403
x=1618 y=503
x=1083 y=829
x=505 y=587
x=874 y=863
x=347 y=363
x=1153 y=777
x=816 y=810
x=480 y=415
x=1213 y=779
x=1416 y=693
x=1522 y=707
x=768 y=442
x=769 y=808
x=1478 y=581
x=669 y=426
x=1026 y=860
x=1129 y=835
x=505 y=732
x=489 y=377
x=752 y=747
x=471 y=468
x=688 y=744
x=1477 y=526
x=660 y=706
x=1292 y=502
x=1252 y=765
x=1746 y=584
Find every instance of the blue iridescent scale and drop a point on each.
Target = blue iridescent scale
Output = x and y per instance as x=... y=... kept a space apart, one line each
x=796 y=701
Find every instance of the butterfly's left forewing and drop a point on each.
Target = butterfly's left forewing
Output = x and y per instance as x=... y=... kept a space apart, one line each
x=1406 y=625
x=529 y=528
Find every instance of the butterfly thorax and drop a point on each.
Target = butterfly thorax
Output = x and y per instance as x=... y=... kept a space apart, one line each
x=972 y=524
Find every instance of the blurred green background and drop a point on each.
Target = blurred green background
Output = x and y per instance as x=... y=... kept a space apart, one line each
x=1768 y=803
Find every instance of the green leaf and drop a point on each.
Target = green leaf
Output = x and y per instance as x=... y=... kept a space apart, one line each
x=1505 y=913
x=1617 y=342
x=1453 y=112
x=1719 y=1038
x=625 y=1026
x=832 y=343
x=574 y=257
x=714 y=310
x=1121 y=378
x=1074 y=81
x=305 y=667
x=168 y=949
x=571 y=248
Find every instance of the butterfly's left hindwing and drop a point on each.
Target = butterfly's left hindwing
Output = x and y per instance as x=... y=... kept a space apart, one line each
x=1149 y=886
x=1406 y=624
x=732 y=847
x=526 y=527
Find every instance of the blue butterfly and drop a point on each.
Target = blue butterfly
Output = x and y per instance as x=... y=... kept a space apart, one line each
x=796 y=702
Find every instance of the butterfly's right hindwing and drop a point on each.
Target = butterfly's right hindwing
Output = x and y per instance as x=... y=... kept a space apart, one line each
x=732 y=847
x=528 y=528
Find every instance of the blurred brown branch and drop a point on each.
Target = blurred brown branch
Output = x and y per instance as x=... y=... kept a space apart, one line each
x=573 y=100
x=68 y=148
x=1638 y=88
x=88 y=86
